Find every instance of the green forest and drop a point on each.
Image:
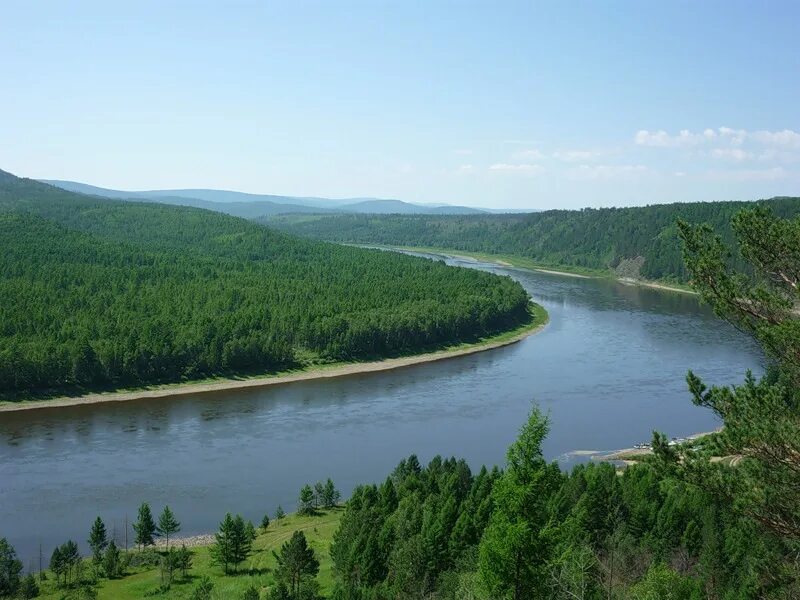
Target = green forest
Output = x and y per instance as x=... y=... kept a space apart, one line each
x=601 y=239
x=715 y=518
x=100 y=293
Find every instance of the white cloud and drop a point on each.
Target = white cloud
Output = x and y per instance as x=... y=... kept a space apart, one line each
x=680 y=173
x=734 y=154
x=466 y=168
x=787 y=137
x=529 y=155
x=605 y=172
x=725 y=136
x=577 y=155
x=522 y=169
x=661 y=139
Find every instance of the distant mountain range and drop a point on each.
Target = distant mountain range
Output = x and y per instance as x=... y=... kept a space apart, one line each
x=251 y=206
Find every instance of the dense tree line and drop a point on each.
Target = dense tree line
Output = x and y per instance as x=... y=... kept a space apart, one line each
x=100 y=292
x=605 y=238
x=682 y=524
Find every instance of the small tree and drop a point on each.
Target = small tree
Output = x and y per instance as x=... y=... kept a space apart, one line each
x=10 y=569
x=28 y=588
x=296 y=563
x=183 y=560
x=98 y=540
x=111 y=561
x=203 y=589
x=233 y=545
x=319 y=493
x=306 y=501
x=57 y=565
x=144 y=526
x=279 y=514
x=265 y=522
x=330 y=495
x=251 y=593
x=167 y=524
x=250 y=531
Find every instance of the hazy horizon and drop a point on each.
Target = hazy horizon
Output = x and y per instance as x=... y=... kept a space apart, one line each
x=512 y=105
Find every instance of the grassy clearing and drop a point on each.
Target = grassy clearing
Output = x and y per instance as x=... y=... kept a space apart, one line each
x=257 y=570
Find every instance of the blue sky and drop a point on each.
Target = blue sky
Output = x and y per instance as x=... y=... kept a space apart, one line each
x=498 y=104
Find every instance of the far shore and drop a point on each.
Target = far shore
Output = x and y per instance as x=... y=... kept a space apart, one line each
x=321 y=372
x=507 y=261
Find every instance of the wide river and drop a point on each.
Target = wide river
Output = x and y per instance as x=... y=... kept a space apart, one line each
x=609 y=368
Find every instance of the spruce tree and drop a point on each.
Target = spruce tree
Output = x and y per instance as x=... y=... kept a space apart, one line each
x=297 y=563
x=306 y=501
x=330 y=495
x=97 y=540
x=279 y=514
x=265 y=522
x=111 y=561
x=233 y=544
x=144 y=526
x=167 y=524
x=10 y=569
x=515 y=547
x=28 y=588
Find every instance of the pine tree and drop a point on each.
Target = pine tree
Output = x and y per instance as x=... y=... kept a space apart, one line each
x=167 y=524
x=250 y=531
x=111 y=561
x=98 y=540
x=144 y=526
x=296 y=563
x=233 y=544
x=279 y=514
x=330 y=495
x=28 y=588
x=265 y=522
x=515 y=548
x=10 y=569
x=306 y=501
x=319 y=492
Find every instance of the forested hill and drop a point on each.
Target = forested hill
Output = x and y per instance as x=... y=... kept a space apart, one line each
x=107 y=293
x=606 y=238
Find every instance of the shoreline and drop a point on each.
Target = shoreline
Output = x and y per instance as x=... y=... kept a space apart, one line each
x=324 y=372
x=497 y=260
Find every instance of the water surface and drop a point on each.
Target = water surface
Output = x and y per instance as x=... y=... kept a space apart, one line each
x=609 y=368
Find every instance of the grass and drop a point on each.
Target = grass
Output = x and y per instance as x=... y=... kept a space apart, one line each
x=257 y=570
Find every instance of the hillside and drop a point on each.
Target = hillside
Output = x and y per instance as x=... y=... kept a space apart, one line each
x=107 y=293
x=639 y=242
x=249 y=206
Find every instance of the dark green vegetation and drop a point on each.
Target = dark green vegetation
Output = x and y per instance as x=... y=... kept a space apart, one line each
x=680 y=525
x=102 y=293
x=640 y=242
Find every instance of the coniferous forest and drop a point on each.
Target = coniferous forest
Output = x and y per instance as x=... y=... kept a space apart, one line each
x=593 y=238
x=107 y=293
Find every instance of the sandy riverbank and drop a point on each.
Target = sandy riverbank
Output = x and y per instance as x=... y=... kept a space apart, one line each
x=324 y=372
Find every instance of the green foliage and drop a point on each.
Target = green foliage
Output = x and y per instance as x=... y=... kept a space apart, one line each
x=265 y=522
x=111 y=560
x=250 y=593
x=107 y=293
x=605 y=238
x=297 y=565
x=233 y=543
x=28 y=588
x=279 y=514
x=662 y=583
x=144 y=527
x=517 y=544
x=10 y=569
x=203 y=589
x=167 y=524
x=98 y=540
x=65 y=561
x=306 y=501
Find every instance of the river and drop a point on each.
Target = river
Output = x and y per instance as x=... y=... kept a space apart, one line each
x=609 y=368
